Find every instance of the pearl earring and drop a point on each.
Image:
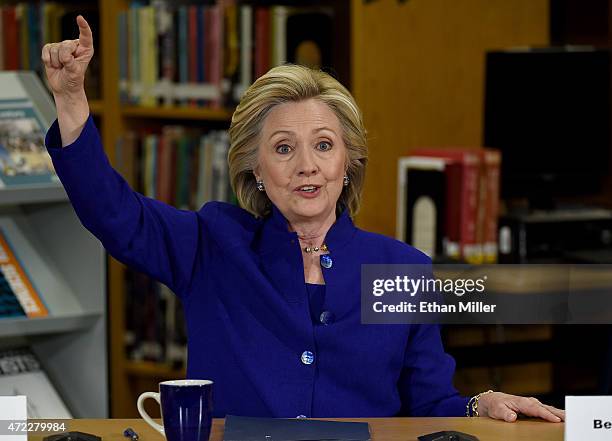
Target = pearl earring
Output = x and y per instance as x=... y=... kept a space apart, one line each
x=260 y=185
x=345 y=180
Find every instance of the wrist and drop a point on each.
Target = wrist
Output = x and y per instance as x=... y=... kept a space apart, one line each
x=72 y=114
x=69 y=102
x=478 y=404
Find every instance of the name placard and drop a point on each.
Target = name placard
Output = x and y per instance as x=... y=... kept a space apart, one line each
x=13 y=415
x=588 y=418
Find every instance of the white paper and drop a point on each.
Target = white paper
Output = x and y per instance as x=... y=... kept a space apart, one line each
x=588 y=418
x=13 y=409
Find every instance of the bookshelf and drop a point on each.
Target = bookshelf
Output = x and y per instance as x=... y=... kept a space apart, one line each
x=42 y=231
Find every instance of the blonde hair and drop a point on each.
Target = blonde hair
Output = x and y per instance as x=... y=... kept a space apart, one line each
x=292 y=83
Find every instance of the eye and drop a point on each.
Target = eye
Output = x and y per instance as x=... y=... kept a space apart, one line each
x=283 y=148
x=324 y=146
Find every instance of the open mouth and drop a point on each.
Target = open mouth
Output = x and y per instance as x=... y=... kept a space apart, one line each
x=307 y=188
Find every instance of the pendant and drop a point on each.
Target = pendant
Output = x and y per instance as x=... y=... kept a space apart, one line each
x=326 y=261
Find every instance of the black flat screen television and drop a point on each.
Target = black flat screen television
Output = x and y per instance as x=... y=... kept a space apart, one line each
x=548 y=111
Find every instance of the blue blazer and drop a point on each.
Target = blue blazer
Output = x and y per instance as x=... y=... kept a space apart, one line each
x=241 y=283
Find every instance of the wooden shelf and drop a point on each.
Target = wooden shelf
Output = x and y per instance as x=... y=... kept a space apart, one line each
x=194 y=113
x=152 y=369
x=96 y=107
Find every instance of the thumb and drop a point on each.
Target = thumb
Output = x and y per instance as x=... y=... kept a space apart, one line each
x=85 y=35
x=510 y=416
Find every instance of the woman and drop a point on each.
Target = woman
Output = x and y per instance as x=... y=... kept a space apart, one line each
x=270 y=290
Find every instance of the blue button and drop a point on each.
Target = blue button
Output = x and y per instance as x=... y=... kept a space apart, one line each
x=326 y=261
x=327 y=317
x=308 y=357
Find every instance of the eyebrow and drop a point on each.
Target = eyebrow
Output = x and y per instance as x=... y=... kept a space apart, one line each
x=320 y=129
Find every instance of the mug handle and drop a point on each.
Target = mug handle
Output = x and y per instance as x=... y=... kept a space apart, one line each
x=143 y=413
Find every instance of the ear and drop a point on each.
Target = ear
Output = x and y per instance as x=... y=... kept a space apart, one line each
x=256 y=173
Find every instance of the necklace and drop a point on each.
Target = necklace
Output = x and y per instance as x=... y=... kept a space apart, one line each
x=323 y=247
x=324 y=259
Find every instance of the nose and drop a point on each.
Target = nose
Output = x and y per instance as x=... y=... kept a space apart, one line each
x=306 y=163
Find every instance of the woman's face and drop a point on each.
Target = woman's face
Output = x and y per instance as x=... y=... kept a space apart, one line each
x=302 y=159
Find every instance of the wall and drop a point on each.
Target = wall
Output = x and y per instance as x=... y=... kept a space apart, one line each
x=418 y=75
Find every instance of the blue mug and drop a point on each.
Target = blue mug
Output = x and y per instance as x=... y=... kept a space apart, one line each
x=186 y=409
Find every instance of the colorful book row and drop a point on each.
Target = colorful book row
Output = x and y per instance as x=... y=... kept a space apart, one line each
x=207 y=55
x=448 y=202
x=179 y=166
x=18 y=296
x=25 y=27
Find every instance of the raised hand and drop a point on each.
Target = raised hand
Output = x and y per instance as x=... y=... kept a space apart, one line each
x=65 y=66
x=66 y=62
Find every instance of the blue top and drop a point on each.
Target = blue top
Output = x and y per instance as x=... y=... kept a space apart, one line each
x=241 y=282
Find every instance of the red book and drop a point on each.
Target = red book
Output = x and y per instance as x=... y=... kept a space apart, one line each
x=492 y=164
x=167 y=163
x=468 y=181
x=262 y=41
x=10 y=38
x=207 y=39
x=452 y=227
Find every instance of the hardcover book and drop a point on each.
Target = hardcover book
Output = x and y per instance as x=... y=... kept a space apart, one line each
x=18 y=297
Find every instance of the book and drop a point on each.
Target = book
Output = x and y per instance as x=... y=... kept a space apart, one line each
x=262 y=41
x=422 y=203
x=492 y=170
x=21 y=13
x=18 y=296
x=10 y=38
x=23 y=157
x=166 y=37
x=181 y=166
x=246 y=51
x=22 y=374
x=470 y=249
x=124 y=82
x=278 y=25
x=208 y=55
x=134 y=51
x=26 y=111
x=149 y=58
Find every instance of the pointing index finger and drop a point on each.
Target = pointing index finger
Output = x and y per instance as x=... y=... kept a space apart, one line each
x=85 y=36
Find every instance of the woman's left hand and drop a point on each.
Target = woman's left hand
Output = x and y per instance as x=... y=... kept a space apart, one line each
x=501 y=406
